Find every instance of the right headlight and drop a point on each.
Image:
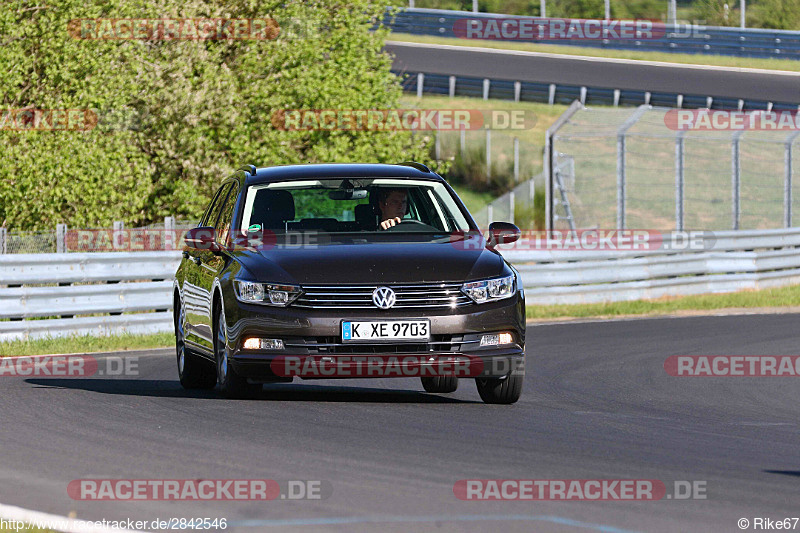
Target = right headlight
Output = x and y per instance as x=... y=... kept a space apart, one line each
x=266 y=293
x=489 y=290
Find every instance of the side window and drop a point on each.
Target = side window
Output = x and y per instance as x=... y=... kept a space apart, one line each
x=216 y=207
x=223 y=227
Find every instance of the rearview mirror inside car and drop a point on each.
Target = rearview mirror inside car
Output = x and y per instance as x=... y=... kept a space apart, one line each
x=348 y=194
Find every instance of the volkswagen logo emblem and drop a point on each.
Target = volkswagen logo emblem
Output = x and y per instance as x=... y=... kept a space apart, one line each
x=384 y=297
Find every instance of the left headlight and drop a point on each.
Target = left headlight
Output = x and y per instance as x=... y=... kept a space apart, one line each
x=489 y=290
x=267 y=293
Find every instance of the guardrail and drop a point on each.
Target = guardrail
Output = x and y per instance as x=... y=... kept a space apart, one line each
x=730 y=261
x=42 y=294
x=131 y=292
x=552 y=93
x=678 y=38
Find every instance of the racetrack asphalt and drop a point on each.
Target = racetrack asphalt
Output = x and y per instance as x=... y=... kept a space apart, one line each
x=597 y=404
x=720 y=82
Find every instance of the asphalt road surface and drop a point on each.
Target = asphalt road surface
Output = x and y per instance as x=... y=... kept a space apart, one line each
x=725 y=82
x=597 y=404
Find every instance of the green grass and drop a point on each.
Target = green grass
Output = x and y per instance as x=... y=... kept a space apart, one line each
x=86 y=344
x=699 y=59
x=475 y=201
x=778 y=297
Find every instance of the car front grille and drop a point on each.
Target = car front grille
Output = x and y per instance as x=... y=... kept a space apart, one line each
x=422 y=296
x=334 y=345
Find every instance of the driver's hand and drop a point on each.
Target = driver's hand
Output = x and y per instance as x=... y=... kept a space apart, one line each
x=390 y=222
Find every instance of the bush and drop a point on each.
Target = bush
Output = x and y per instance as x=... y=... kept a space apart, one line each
x=469 y=169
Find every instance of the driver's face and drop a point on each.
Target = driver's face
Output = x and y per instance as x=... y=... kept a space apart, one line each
x=394 y=206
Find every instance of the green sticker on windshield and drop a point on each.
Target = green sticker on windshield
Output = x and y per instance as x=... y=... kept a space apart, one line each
x=253 y=228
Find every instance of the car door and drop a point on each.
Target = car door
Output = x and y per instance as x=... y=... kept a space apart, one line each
x=196 y=289
x=212 y=263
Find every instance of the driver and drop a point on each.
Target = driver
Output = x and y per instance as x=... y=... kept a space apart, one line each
x=392 y=204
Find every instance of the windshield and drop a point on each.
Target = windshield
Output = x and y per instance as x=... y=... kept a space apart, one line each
x=354 y=205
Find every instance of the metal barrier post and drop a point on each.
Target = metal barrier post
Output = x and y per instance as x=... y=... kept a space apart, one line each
x=420 y=83
x=3 y=240
x=488 y=155
x=679 y=189
x=463 y=135
x=511 y=203
x=787 y=184
x=452 y=91
x=516 y=159
x=119 y=227
x=169 y=233
x=486 y=85
x=437 y=146
x=735 y=179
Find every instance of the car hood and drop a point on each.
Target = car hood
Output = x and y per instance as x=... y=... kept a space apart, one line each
x=371 y=263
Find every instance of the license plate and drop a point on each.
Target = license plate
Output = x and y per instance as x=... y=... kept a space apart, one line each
x=386 y=330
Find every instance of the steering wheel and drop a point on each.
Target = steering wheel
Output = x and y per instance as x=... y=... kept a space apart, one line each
x=409 y=221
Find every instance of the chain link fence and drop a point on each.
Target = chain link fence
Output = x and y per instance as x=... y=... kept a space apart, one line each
x=632 y=168
x=167 y=235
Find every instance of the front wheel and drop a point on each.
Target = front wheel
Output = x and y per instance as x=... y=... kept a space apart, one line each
x=231 y=384
x=505 y=390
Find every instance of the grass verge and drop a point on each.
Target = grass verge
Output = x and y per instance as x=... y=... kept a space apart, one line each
x=699 y=59
x=787 y=297
x=86 y=344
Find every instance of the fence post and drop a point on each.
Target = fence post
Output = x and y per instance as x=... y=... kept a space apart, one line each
x=452 y=90
x=679 y=185
x=542 y=8
x=486 y=85
x=169 y=233
x=3 y=240
x=474 y=6
x=735 y=179
x=61 y=238
x=517 y=90
x=787 y=185
x=511 y=203
x=116 y=241
x=463 y=135
x=516 y=159
x=489 y=214
x=532 y=191
x=621 y=188
x=488 y=155
x=420 y=83
x=551 y=94
x=437 y=146
x=549 y=161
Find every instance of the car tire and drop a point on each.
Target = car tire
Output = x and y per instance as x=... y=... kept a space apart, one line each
x=194 y=372
x=231 y=384
x=441 y=384
x=505 y=390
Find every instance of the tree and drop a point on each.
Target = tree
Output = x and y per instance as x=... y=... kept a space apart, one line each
x=176 y=117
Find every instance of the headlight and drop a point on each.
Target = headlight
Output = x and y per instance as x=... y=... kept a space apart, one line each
x=489 y=290
x=267 y=293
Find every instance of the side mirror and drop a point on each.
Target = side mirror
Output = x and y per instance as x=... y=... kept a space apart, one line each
x=202 y=238
x=502 y=233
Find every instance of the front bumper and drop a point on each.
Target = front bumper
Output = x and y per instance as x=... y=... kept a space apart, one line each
x=314 y=348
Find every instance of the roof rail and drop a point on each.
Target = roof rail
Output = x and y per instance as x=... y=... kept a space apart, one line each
x=414 y=164
x=250 y=169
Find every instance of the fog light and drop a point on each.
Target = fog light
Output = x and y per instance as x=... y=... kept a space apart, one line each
x=254 y=343
x=497 y=339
